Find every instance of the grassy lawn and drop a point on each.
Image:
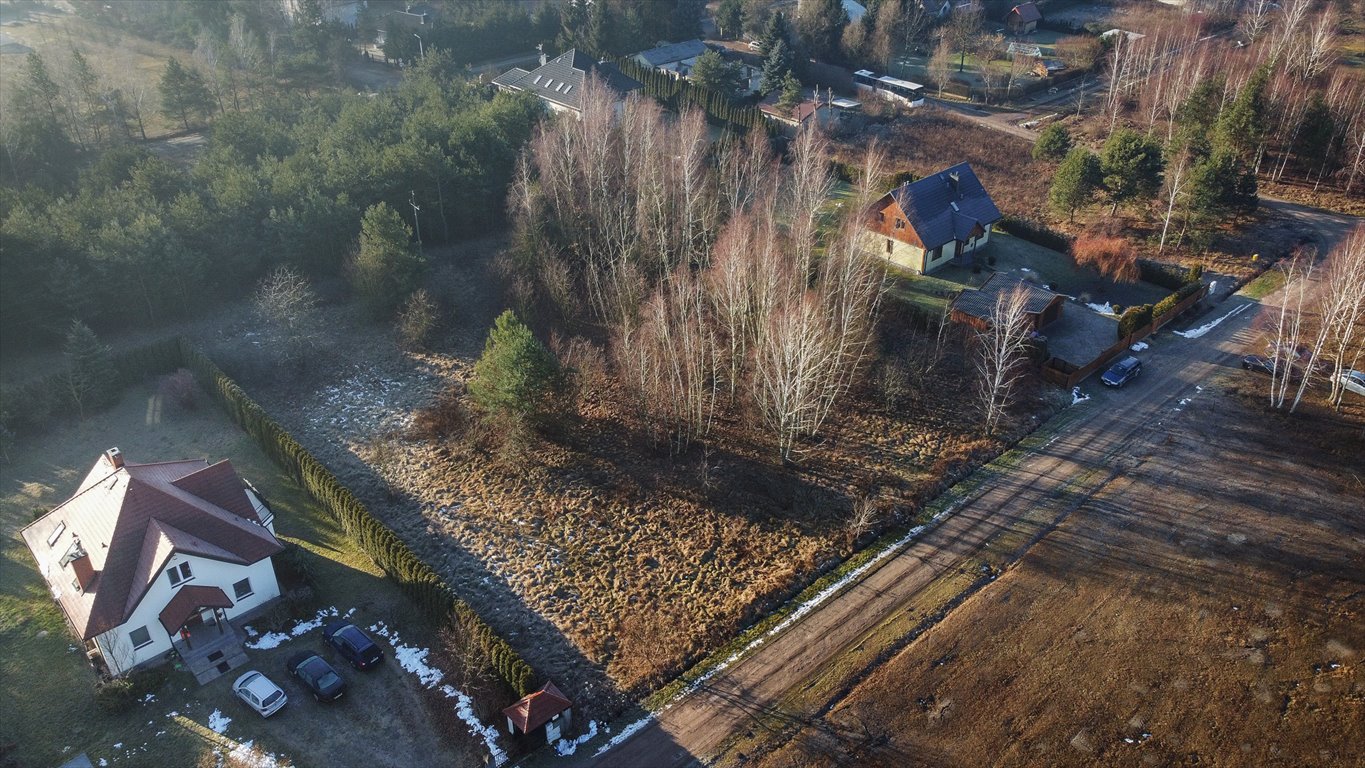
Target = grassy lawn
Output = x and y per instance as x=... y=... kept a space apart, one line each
x=1267 y=283
x=50 y=714
x=1023 y=259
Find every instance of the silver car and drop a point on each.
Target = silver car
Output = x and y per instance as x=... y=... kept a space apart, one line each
x=259 y=693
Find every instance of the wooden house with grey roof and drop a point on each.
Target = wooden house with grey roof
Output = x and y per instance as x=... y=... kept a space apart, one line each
x=943 y=218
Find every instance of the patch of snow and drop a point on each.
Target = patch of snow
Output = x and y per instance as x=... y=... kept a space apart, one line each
x=1104 y=309
x=218 y=722
x=1138 y=346
x=149 y=698
x=247 y=757
x=625 y=733
x=1184 y=401
x=172 y=713
x=275 y=639
x=1077 y=396
x=1203 y=329
x=414 y=660
x=250 y=632
x=103 y=762
x=565 y=747
x=1213 y=286
x=118 y=745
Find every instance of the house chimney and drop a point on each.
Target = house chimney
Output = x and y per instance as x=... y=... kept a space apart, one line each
x=953 y=178
x=80 y=563
x=543 y=58
x=115 y=457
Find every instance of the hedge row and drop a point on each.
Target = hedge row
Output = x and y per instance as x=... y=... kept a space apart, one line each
x=1134 y=318
x=35 y=403
x=678 y=94
x=375 y=539
x=1167 y=304
x=1035 y=232
x=1172 y=276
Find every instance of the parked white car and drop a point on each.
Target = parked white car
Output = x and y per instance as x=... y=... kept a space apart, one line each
x=1354 y=381
x=259 y=693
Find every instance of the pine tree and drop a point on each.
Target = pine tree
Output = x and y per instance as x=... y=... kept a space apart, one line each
x=90 y=372
x=1053 y=143
x=387 y=267
x=1074 y=184
x=1131 y=165
x=1243 y=125
x=183 y=93
x=515 y=375
x=776 y=67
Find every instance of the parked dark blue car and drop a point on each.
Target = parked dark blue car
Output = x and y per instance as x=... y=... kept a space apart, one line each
x=315 y=673
x=1122 y=372
x=355 y=646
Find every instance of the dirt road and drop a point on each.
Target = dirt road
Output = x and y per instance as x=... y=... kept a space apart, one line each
x=751 y=693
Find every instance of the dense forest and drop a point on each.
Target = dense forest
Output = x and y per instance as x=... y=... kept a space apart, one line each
x=130 y=237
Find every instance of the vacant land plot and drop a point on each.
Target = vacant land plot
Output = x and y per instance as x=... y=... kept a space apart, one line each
x=1204 y=608
x=49 y=713
x=607 y=562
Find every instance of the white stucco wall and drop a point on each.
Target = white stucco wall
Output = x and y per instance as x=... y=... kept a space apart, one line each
x=117 y=649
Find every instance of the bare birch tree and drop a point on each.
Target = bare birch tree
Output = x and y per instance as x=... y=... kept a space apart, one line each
x=1003 y=352
x=1343 y=313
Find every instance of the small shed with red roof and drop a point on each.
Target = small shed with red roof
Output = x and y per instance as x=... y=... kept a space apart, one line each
x=547 y=707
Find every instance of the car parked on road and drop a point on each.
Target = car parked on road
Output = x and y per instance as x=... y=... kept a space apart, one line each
x=1354 y=381
x=1122 y=372
x=259 y=693
x=317 y=676
x=355 y=646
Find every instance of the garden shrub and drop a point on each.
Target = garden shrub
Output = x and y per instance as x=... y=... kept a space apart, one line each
x=1035 y=232
x=1134 y=318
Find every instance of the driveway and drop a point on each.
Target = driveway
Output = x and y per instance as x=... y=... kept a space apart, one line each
x=755 y=691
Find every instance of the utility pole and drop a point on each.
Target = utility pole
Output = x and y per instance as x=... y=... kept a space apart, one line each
x=416 y=223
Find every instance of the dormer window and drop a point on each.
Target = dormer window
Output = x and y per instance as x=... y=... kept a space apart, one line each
x=179 y=574
x=900 y=223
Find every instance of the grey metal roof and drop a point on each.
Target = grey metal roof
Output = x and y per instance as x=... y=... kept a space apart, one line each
x=981 y=302
x=668 y=54
x=1026 y=12
x=946 y=206
x=560 y=79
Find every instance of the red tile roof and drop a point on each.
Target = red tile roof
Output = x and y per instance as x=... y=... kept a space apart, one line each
x=537 y=708
x=130 y=519
x=190 y=600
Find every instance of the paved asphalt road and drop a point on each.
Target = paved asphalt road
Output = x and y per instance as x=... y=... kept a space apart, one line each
x=1111 y=423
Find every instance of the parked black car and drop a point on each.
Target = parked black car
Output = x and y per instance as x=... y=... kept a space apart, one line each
x=1122 y=372
x=352 y=644
x=317 y=675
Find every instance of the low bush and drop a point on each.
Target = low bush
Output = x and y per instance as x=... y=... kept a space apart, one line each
x=178 y=388
x=114 y=697
x=1134 y=318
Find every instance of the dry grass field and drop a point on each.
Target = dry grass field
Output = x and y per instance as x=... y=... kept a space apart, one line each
x=1207 y=608
x=608 y=563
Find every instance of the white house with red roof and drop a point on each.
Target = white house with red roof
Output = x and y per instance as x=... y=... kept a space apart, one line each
x=145 y=558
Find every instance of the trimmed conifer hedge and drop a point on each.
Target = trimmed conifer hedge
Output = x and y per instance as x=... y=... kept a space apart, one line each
x=417 y=579
x=678 y=94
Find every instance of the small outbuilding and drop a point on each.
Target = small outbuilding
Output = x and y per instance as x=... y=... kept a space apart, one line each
x=975 y=307
x=1023 y=18
x=547 y=707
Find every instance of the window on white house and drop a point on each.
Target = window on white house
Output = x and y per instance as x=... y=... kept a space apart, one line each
x=140 y=637
x=179 y=574
x=242 y=588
